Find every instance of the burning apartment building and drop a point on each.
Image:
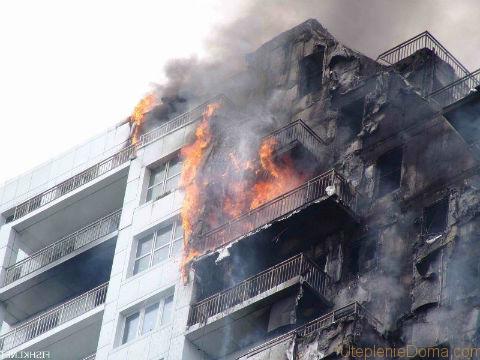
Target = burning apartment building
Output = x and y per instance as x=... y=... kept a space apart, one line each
x=323 y=201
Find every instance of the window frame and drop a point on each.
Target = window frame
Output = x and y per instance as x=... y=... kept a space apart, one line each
x=165 y=167
x=176 y=235
x=140 y=310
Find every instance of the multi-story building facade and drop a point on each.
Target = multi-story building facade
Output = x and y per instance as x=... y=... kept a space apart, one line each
x=376 y=247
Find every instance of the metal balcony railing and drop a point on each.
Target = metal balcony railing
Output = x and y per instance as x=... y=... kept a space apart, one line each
x=320 y=187
x=49 y=320
x=90 y=357
x=456 y=90
x=113 y=161
x=298 y=131
x=181 y=120
x=63 y=247
x=353 y=309
x=73 y=183
x=298 y=266
x=424 y=40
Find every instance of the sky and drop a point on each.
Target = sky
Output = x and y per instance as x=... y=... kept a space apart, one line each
x=70 y=69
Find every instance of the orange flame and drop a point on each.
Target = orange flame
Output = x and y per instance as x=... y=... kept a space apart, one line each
x=279 y=178
x=193 y=155
x=138 y=115
x=242 y=185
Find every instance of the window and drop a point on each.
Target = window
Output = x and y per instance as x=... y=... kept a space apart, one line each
x=389 y=167
x=311 y=70
x=162 y=244
x=146 y=319
x=435 y=218
x=164 y=178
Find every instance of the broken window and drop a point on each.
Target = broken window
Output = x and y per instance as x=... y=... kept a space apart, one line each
x=389 y=167
x=435 y=218
x=311 y=71
x=351 y=119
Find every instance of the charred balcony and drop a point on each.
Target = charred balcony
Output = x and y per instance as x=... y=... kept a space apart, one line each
x=461 y=107
x=325 y=202
x=424 y=62
x=278 y=346
x=260 y=304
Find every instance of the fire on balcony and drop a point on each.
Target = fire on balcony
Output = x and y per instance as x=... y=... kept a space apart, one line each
x=225 y=175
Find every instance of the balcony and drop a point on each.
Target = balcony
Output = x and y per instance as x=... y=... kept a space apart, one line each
x=327 y=186
x=63 y=247
x=246 y=306
x=181 y=121
x=457 y=90
x=298 y=268
x=72 y=183
x=282 y=342
x=424 y=40
x=53 y=318
x=90 y=357
x=298 y=133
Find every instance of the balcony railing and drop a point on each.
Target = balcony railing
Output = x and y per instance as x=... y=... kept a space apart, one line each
x=457 y=90
x=181 y=121
x=424 y=40
x=353 y=309
x=53 y=318
x=298 y=266
x=113 y=161
x=63 y=247
x=90 y=357
x=320 y=187
x=298 y=131
x=73 y=183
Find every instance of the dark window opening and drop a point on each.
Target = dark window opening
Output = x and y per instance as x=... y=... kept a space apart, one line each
x=352 y=117
x=311 y=71
x=389 y=167
x=435 y=218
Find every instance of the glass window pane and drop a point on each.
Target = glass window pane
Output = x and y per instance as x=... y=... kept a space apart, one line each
x=141 y=264
x=167 y=310
x=177 y=247
x=175 y=167
x=163 y=236
x=154 y=192
x=130 y=330
x=150 y=318
x=157 y=176
x=178 y=230
x=160 y=254
x=144 y=245
x=172 y=183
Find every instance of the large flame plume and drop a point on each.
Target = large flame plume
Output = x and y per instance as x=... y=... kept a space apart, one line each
x=193 y=156
x=221 y=185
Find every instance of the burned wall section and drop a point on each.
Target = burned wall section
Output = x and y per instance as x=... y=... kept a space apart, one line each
x=412 y=278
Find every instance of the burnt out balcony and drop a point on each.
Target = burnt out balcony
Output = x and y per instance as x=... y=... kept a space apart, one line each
x=424 y=62
x=277 y=347
x=298 y=137
x=457 y=90
x=460 y=101
x=296 y=284
x=328 y=197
